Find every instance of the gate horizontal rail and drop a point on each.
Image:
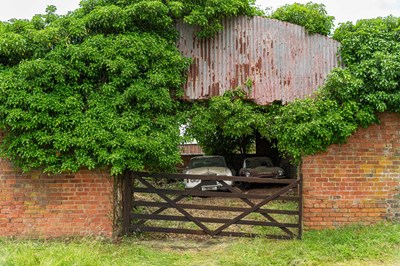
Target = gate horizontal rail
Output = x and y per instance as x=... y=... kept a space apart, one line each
x=158 y=203
x=212 y=208
x=259 y=180
x=211 y=194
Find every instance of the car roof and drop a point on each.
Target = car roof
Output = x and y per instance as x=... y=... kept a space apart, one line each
x=258 y=158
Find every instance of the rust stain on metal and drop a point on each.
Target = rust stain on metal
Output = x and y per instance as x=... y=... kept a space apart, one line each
x=282 y=60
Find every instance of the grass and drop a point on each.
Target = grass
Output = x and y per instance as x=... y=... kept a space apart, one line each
x=356 y=245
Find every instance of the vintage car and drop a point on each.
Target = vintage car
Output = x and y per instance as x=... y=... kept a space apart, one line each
x=261 y=167
x=207 y=165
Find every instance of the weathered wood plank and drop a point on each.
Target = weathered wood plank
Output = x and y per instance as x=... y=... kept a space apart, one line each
x=173 y=204
x=219 y=194
x=255 y=207
x=127 y=203
x=198 y=232
x=212 y=208
x=266 y=215
x=260 y=180
x=209 y=220
x=171 y=198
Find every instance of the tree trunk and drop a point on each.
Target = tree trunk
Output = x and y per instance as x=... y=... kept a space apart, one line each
x=118 y=205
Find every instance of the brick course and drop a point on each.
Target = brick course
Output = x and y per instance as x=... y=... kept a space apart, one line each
x=191 y=149
x=41 y=205
x=356 y=182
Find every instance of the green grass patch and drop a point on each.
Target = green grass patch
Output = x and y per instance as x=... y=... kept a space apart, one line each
x=355 y=245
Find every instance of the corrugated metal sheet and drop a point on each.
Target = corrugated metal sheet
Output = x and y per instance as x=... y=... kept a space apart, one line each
x=282 y=60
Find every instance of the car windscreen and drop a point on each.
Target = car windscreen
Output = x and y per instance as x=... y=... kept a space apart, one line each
x=257 y=162
x=207 y=162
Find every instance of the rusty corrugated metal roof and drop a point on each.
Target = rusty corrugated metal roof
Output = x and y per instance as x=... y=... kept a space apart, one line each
x=283 y=61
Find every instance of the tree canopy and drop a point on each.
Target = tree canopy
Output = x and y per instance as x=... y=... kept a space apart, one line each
x=313 y=17
x=226 y=124
x=99 y=87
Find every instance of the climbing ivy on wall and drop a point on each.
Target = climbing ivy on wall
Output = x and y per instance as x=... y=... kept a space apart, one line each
x=351 y=96
x=100 y=87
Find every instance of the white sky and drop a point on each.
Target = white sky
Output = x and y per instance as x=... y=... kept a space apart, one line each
x=342 y=10
x=21 y=9
x=346 y=10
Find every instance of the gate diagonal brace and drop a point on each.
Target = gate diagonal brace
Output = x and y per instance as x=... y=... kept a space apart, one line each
x=251 y=204
x=255 y=207
x=174 y=205
x=176 y=200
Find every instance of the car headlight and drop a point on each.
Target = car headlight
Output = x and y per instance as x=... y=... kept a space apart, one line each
x=247 y=174
x=281 y=172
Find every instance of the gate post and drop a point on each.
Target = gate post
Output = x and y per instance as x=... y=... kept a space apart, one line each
x=127 y=202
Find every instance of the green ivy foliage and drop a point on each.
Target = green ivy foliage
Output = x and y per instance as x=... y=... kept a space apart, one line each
x=226 y=124
x=208 y=13
x=351 y=96
x=104 y=102
x=371 y=51
x=160 y=14
x=99 y=87
x=313 y=17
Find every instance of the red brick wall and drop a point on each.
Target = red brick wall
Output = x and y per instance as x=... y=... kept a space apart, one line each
x=357 y=182
x=38 y=205
x=191 y=149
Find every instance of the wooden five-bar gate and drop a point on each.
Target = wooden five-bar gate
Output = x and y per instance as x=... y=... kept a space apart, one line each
x=160 y=203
